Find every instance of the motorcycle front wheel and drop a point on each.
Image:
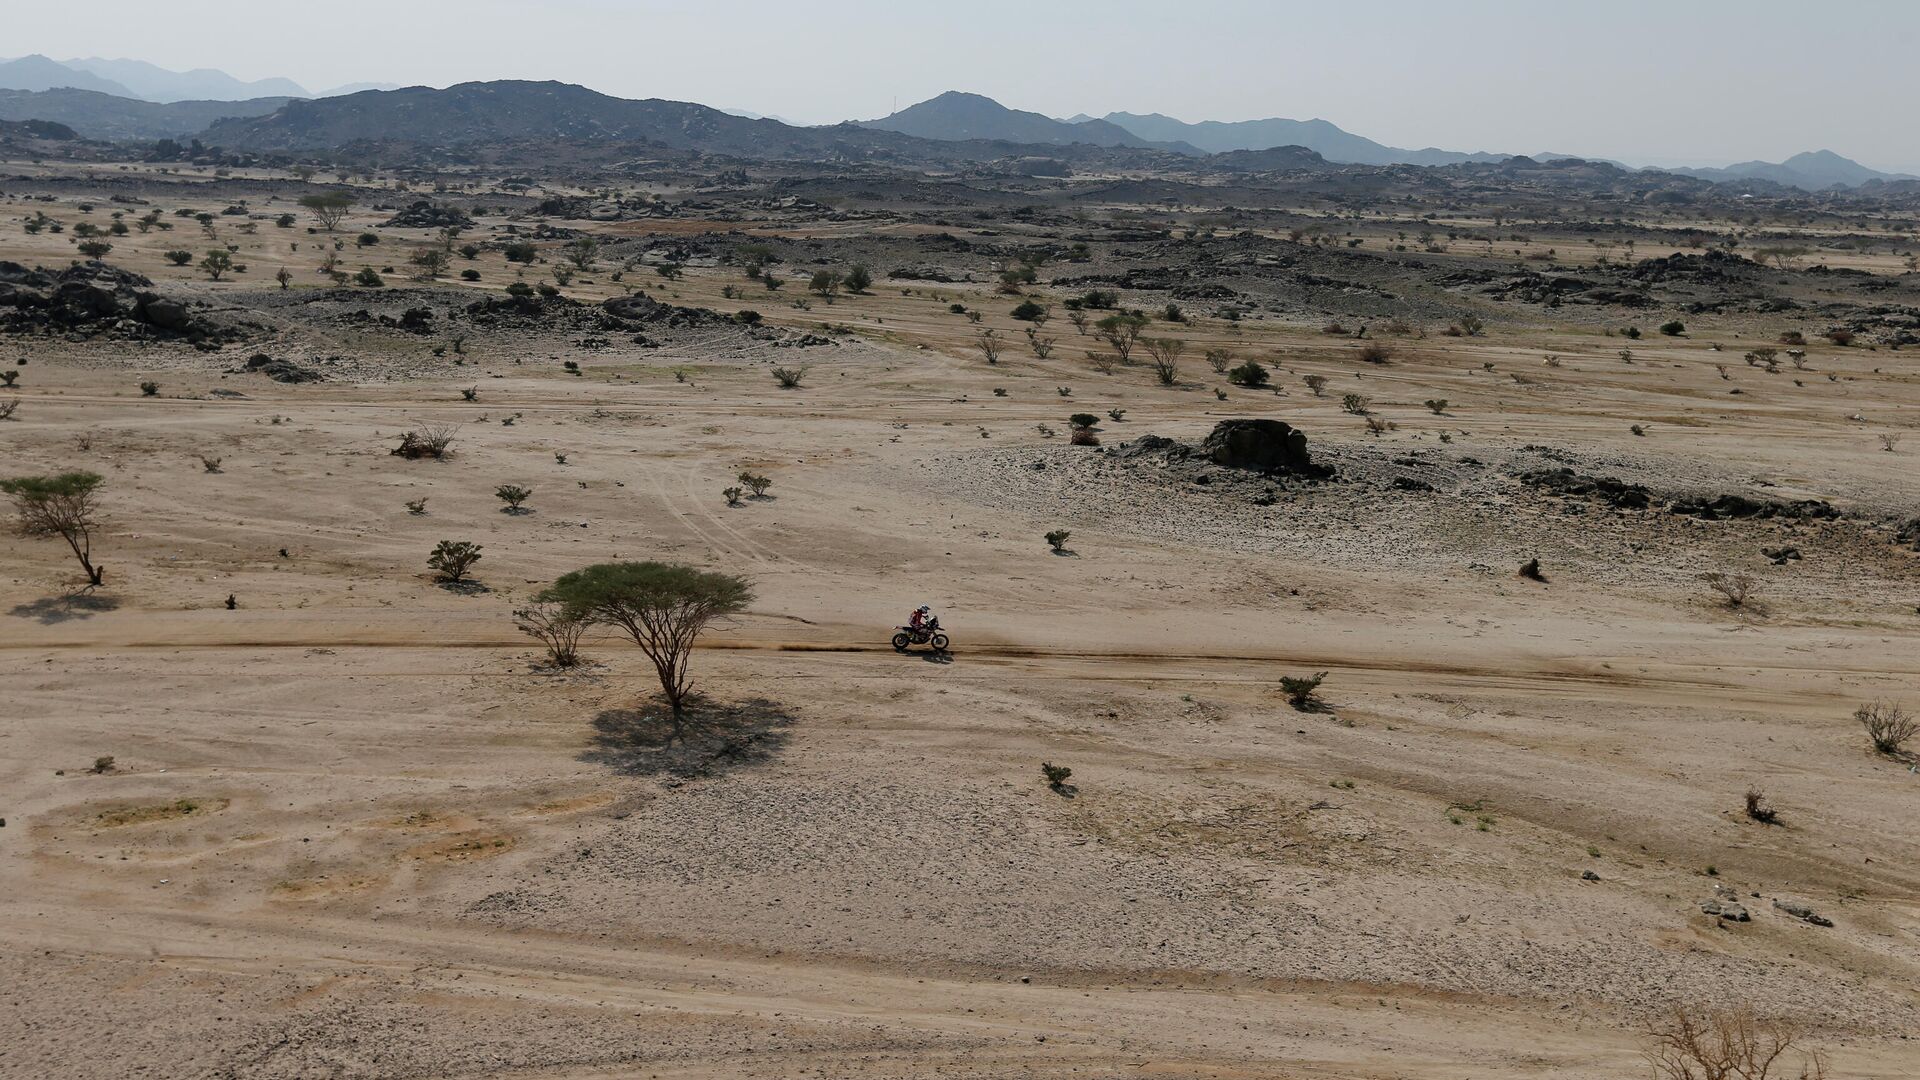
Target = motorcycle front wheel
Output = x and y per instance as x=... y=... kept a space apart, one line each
x=939 y=643
x=900 y=642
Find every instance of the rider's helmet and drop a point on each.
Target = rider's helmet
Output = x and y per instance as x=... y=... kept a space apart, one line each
x=924 y=609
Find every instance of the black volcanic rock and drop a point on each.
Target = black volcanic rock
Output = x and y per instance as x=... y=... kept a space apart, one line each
x=1261 y=445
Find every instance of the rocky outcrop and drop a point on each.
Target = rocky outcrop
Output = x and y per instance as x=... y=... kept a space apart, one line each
x=92 y=299
x=1262 y=446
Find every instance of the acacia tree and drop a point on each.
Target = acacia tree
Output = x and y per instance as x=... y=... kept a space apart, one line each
x=328 y=208
x=662 y=606
x=62 y=506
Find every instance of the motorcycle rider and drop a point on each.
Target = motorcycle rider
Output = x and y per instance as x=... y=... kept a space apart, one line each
x=917 y=622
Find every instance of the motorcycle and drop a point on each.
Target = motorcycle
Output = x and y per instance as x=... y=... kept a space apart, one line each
x=906 y=636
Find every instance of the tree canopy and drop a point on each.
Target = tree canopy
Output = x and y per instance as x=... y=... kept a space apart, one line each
x=662 y=606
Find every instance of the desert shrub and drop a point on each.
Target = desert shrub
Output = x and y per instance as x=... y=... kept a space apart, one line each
x=215 y=264
x=1888 y=726
x=520 y=251
x=789 y=378
x=9 y=376
x=1839 y=335
x=1632 y=333
x=1471 y=325
x=1316 y=383
x=1793 y=337
x=733 y=495
x=470 y=393
x=989 y=345
x=7 y=408
x=556 y=626
x=1055 y=775
x=95 y=249
x=756 y=483
x=1737 y=589
x=469 y=252
x=1099 y=299
x=149 y=388
x=1253 y=375
x=209 y=463
x=1057 y=539
x=469 y=274
x=1334 y=329
x=1172 y=313
x=1691 y=1045
x=1758 y=809
x=369 y=278
x=1355 y=404
x=1674 y=328
x=1116 y=415
x=957 y=309
x=663 y=607
x=1083 y=420
x=179 y=258
x=416 y=507
x=825 y=282
x=747 y=317
x=1165 y=354
x=1375 y=353
x=1300 y=689
x=452 y=559
x=1220 y=361
x=1029 y=310
x=513 y=495
x=428 y=441
x=367 y=239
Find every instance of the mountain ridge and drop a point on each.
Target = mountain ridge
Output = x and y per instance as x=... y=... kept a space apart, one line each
x=959 y=115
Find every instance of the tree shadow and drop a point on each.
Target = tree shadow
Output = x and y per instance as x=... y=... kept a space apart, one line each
x=710 y=739
x=58 y=609
x=468 y=587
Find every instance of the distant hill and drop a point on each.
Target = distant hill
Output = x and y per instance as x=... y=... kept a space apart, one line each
x=955 y=116
x=1272 y=159
x=354 y=88
x=1320 y=136
x=36 y=129
x=156 y=83
x=1815 y=170
x=122 y=119
x=39 y=73
x=479 y=112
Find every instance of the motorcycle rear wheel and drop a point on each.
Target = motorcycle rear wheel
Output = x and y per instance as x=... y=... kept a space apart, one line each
x=900 y=642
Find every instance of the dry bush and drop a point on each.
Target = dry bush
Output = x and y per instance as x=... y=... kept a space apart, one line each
x=1316 y=383
x=1334 y=329
x=1356 y=404
x=427 y=441
x=1165 y=353
x=1737 y=588
x=1690 y=1045
x=556 y=626
x=1375 y=353
x=1083 y=437
x=7 y=407
x=1219 y=360
x=789 y=378
x=1758 y=809
x=1888 y=725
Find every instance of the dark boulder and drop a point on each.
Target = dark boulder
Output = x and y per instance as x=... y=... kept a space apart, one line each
x=1261 y=445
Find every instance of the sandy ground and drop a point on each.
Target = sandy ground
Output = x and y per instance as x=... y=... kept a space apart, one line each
x=354 y=828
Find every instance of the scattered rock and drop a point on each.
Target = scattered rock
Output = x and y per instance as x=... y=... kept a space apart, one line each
x=1801 y=911
x=1726 y=910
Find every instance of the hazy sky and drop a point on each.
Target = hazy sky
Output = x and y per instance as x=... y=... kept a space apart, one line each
x=1705 y=81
